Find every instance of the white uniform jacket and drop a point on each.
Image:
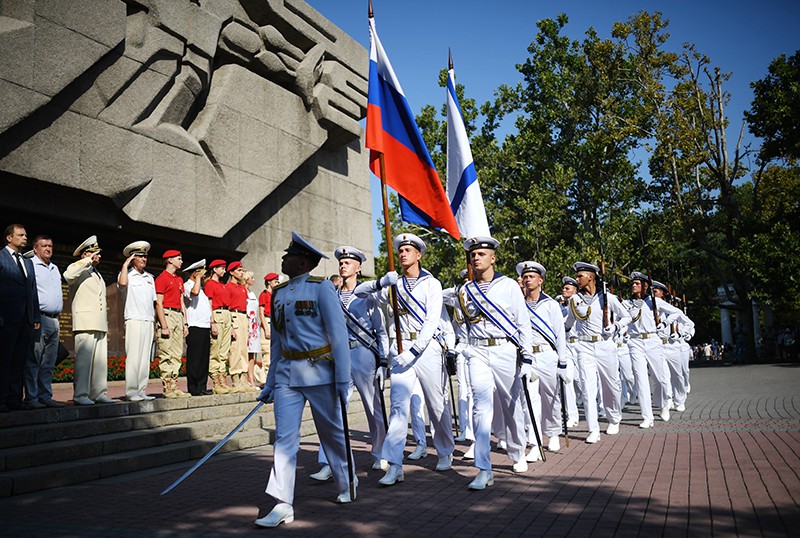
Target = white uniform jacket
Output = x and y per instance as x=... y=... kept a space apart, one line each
x=585 y=315
x=365 y=324
x=509 y=310
x=547 y=319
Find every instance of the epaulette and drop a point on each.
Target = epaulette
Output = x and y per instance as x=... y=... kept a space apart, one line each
x=316 y=279
x=279 y=286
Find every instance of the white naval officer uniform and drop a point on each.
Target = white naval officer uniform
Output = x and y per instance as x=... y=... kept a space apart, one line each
x=675 y=356
x=492 y=362
x=310 y=356
x=596 y=355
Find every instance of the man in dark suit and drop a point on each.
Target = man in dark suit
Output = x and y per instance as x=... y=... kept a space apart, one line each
x=19 y=315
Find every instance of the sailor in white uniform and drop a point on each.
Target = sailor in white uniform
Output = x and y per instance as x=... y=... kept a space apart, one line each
x=310 y=363
x=419 y=299
x=369 y=344
x=550 y=350
x=496 y=328
x=678 y=328
x=595 y=348
x=569 y=287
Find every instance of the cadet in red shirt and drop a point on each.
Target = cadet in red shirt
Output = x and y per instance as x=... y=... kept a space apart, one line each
x=264 y=312
x=172 y=324
x=217 y=295
x=237 y=294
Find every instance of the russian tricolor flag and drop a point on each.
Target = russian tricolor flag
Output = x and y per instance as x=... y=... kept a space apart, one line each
x=463 y=190
x=393 y=132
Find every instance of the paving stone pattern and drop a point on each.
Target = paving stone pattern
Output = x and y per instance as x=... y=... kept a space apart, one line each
x=727 y=466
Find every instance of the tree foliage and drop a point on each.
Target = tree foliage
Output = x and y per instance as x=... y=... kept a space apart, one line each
x=619 y=152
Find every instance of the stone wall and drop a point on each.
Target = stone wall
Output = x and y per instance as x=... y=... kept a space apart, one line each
x=212 y=126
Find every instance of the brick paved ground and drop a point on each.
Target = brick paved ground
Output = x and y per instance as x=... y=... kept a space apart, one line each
x=727 y=466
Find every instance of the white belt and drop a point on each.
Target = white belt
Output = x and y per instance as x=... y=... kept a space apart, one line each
x=406 y=336
x=590 y=338
x=488 y=342
x=645 y=336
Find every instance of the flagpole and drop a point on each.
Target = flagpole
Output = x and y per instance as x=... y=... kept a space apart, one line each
x=387 y=228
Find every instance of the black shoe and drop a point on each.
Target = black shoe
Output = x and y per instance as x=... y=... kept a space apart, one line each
x=206 y=392
x=51 y=403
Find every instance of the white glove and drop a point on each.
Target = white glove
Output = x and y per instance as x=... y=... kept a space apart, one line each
x=404 y=359
x=563 y=373
x=663 y=329
x=609 y=331
x=389 y=279
x=380 y=377
x=526 y=371
x=687 y=336
x=266 y=395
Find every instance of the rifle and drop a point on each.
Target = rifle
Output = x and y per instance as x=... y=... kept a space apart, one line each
x=652 y=295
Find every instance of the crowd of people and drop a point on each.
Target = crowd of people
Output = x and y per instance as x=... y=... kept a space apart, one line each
x=216 y=317
x=523 y=360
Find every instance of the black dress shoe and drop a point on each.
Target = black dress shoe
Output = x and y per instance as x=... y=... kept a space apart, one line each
x=51 y=403
x=206 y=392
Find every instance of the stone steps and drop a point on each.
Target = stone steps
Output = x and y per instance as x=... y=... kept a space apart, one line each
x=49 y=448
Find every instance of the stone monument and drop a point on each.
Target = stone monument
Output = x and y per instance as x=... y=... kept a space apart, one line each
x=213 y=126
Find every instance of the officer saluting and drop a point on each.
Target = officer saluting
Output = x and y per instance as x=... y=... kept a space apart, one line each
x=310 y=362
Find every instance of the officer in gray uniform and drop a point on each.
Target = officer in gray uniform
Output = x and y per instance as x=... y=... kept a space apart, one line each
x=310 y=363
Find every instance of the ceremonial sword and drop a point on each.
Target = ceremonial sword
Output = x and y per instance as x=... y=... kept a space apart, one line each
x=564 y=413
x=213 y=450
x=533 y=417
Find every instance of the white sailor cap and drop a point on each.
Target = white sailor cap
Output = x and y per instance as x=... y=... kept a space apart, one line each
x=409 y=239
x=637 y=275
x=530 y=267
x=659 y=285
x=481 y=242
x=352 y=253
x=569 y=280
x=137 y=247
x=584 y=266
x=90 y=245
x=196 y=265
x=301 y=247
x=28 y=254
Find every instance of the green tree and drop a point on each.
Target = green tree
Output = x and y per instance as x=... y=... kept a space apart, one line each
x=776 y=109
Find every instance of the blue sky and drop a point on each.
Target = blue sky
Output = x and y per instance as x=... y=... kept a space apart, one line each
x=488 y=39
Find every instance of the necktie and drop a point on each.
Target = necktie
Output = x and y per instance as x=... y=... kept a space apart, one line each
x=19 y=263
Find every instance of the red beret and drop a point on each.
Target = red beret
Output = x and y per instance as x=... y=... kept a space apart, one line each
x=216 y=263
x=171 y=254
x=234 y=266
x=271 y=276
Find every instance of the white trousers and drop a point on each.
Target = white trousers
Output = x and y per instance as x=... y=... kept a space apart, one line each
x=138 y=339
x=597 y=361
x=428 y=368
x=687 y=357
x=326 y=411
x=659 y=376
x=643 y=352
x=569 y=388
x=493 y=374
x=627 y=380
x=91 y=364
x=417 y=415
x=362 y=378
x=464 y=399
x=548 y=407
x=674 y=356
